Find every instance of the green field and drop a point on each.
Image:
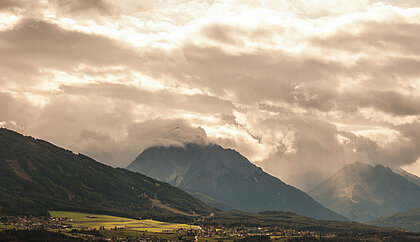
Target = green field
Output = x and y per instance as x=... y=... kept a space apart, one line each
x=111 y=222
x=124 y=233
x=4 y=227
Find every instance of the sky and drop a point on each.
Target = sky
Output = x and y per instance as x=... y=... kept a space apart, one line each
x=301 y=88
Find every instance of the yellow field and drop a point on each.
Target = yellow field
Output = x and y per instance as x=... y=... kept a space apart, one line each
x=110 y=222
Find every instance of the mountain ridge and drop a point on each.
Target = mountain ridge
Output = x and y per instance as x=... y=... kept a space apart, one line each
x=363 y=192
x=37 y=176
x=410 y=177
x=226 y=176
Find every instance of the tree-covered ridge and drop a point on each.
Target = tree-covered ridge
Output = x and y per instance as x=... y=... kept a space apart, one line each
x=288 y=220
x=409 y=220
x=36 y=176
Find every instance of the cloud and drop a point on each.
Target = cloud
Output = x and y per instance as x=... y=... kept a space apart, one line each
x=390 y=101
x=33 y=44
x=194 y=103
x=13 y=111
x=403 y=3
x=376 y=37
x=274 y=74
x=83 y=125
x=300 y=88
x=79 y=7
x=224 y=34
x=139 y=136
x=10 y=4
x=166 y=132
x=234 y=35
x=322 y=149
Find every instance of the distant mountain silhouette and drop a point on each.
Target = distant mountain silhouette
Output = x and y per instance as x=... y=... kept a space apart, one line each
x=226 y=179
x=363 y=192
x=36 y=176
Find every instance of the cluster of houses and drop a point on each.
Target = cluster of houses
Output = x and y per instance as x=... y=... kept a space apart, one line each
x=28 y=222
x=246 y=232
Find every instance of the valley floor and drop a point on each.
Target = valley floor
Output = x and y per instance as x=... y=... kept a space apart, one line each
x=69 y=226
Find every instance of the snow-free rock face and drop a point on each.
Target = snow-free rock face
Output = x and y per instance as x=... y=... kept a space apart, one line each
x=363 y=192
x=227 y=178
x=410 y=177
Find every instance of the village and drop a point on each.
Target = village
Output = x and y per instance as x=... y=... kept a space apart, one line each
x=29 y=222
x=205 y=232
x=238 y=233
x=246 y=232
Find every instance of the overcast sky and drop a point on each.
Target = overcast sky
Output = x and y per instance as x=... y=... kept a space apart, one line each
x=299 y=87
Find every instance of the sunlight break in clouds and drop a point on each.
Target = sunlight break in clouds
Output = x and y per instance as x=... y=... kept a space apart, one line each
x=296 y=86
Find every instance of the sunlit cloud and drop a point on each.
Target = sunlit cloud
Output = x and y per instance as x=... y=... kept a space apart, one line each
x=7 y=21
x=413 y=167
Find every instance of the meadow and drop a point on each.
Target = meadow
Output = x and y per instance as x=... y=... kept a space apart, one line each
x=4 y=227
x=108 y=222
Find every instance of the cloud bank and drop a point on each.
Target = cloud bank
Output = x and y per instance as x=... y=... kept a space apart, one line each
x=299 y=87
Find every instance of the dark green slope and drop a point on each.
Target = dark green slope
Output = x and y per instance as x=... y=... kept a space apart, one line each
x=226 y=176
x=363 y=192
x=291 y=221
x=409 y=220
x=36 y=176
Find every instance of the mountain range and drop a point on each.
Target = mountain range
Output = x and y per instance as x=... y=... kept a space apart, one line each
x=225 y=179
x=36 y=176
x=363 y=192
